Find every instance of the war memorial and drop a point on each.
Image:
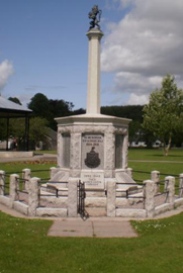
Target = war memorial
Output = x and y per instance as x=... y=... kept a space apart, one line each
x=92 y=147
x=92 y=177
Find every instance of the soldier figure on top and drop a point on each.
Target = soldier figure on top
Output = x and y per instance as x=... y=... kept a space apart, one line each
x=95 y=15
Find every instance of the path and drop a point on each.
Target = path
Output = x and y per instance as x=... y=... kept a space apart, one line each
x=92 y=227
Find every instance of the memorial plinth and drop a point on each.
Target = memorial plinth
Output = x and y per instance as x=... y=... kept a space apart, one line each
x=92 y=144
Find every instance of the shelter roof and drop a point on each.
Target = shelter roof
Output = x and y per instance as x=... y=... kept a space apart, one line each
x=12 y=109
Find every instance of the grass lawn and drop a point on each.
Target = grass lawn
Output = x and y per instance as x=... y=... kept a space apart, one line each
x=38 y=169
x=175 y=155
x=144 y=161
x=25 y=246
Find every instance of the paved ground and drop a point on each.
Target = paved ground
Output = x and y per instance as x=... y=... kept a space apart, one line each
x=92 y=227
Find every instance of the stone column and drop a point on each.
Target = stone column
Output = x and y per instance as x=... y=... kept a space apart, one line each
x=93 y=96
x=73 y=197
x=111 y=197
x=33 y=199
x=180 y=185
x=125 y=151
x=26 y=175
x=149 y=192
x=109 y=156
x=171 y=190
x=2 y=183
x=75 y=154
x=14 y=185
x=59 y=148
x=155 y=177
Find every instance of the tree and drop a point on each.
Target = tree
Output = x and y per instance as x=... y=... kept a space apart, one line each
x=163 y=116
x=49 y=109
x=133 y=112
x=15 y=100
x=59 y=108
x=40 y=106
x=38 y=130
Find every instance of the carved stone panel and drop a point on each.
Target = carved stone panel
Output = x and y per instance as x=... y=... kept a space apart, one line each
x=92 y=151
x=118 y=151
x=66 y=149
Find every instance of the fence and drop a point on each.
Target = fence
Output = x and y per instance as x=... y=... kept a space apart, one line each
x=35 y=197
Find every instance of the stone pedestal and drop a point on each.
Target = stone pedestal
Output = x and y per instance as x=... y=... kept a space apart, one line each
x=92 y=148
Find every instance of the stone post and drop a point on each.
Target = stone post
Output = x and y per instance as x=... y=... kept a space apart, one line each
x=14 y=185
x=2 y=183
x=75 y=153
x=129 y=172
x=180 y=185
x=125 y=150
x=53 y=170
x=111 y=197
x=171 y=190
x=93 y=96
x=109 y=158
x=34 y=192
x=149 y=192
x=155 y=175
x=26 y=175
x=72 y=197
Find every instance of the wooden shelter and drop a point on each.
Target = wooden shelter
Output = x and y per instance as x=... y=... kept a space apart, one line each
x=8 y=110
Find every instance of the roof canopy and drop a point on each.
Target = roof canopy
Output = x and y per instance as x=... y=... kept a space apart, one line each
x=12 y=109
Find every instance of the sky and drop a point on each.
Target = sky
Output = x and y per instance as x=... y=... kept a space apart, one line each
x=44 y=49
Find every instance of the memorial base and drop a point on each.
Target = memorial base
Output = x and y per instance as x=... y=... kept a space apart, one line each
x=91 y=148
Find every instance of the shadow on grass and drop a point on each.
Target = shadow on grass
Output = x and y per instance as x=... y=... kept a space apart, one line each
x=164 y=156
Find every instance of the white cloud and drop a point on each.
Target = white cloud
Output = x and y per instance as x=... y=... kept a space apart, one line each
x=6 y=70
x=137 y=100
x=144 y=46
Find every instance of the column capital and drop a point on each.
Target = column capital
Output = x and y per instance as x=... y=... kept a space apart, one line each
x=94 y=32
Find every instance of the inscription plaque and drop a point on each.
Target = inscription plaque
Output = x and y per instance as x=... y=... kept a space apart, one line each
x=93 y=179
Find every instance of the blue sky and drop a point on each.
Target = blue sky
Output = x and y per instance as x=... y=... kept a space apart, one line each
x=44 y=48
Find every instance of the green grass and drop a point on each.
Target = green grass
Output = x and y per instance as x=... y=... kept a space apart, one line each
x=25 y=247
x=145 y=160
x=156 y=155
x=38 y=169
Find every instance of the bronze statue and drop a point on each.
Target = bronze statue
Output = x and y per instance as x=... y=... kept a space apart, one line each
x=95 y=15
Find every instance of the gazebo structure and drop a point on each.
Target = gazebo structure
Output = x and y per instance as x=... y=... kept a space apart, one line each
x=8 y=110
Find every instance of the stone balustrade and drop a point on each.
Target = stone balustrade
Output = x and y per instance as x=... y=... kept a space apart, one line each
x=148 y=195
